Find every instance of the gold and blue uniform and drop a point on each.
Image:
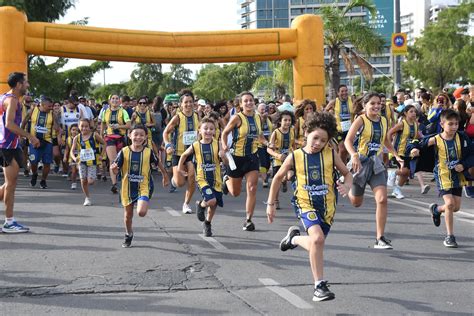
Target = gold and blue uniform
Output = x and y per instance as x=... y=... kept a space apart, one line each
x=387 y=112
x=41 y=125
x=300 y=131
x=88 y=150
x=135 y=169
x=263 y=155
x=245 y=137
x=315 y=194
x=118 y=116
x=448 y=155
x=283 y=143
x=344 y=113
x=371 y=136
x=144 y=119
x=404 y=137
x=185 y=134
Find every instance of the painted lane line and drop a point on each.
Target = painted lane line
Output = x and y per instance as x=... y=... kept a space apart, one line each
x=171 y=211
x=214 y=243
x=292 y=298
x=428 y=204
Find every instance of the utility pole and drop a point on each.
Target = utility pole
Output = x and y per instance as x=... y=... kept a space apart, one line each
x=397 y=72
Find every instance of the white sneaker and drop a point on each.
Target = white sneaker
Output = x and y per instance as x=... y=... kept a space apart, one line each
x=187 y=209
x=73 y=186
x=397 y=193
x=87 y=202
x=391 y=178
x=425 y=189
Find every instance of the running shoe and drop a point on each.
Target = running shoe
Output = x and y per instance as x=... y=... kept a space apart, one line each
x=225 y=190
x=277 y=205
x=127 y=243
x=248 y=225
x=285 y=243
x=34 y=179
x=56 y=169
x=322 y=293
x=392 y=176
x=397 y=193
x=435 y=214
x=87 y=202
x=114 y=189
x=265 y=184
x=469 y=191
x=206 y=229
x=73 y=186
x=64 y=175
x=450 y=242
x=43 y=184
x=14 y=228
x=172 y=188
x=383 y=243
x=26 y=173
x=200 y=211
x=99 y=177
x=104 y=178
x=425 y=189
x=187 y=209
x=284 y=187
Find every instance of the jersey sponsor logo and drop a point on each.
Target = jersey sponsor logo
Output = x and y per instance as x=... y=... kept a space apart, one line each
x=135 y=166
x=315 y=174
x=208 y=191
x=135 y=178
x=314 y=189
x=312 y=216
x=206 y=167
x=207 y=157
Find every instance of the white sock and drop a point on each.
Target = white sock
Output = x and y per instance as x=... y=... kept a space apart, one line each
x=292 y=241
x=10 y=220
x=316 y=283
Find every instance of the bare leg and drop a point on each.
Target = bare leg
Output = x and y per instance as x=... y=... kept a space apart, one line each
x=380 y=193
x=127 y=218
x=314 y=244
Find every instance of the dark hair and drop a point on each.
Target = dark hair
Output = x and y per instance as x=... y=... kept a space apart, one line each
x=299 y=112
x=462 y=106
x=241 y=95
x=358 y=106
x=406 y=109
x=369 y=95
x=382 y=95
x=425 y=96
x=47 y=99
x=157 y=103
x=139 y=126
x=212 y=115
x=14 y=78
x=125 y=98
x=207 y=119
x=287 y=98
x=280 y=117
x=85 y=120
x=322 y=120
x=465 y=91
x=341 y=86
x=185 y=93
x=449 y=114
x=73 y=125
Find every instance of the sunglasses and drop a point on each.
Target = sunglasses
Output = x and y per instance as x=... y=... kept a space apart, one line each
x=141 y=102
x=441 y=99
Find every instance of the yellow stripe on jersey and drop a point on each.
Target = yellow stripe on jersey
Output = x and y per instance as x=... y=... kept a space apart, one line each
x=136 y=175
x=283 y=144
x=387 y=112
x=115 y=117
x=300 y=131
x=143 y=119
x=245 y=137
x=208 y=168
x=267 y=130
x=69 y=146
x=448 y=155
x=343 y=111
x=404 y=137
x=91 y=146
x=315 y=187
x=185 y=133
x=41 y=124
x=372 y=136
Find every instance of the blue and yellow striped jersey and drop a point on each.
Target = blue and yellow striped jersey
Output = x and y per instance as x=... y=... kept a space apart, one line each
x=448 y=155
x=344 y=112
x=41 y=124
x=245 y=137
x=185 y=134
x=208 y=168
x=315 y=182
x=283 y=143
x=404 y=137
x=267 y=130
x=119 y=116
x=88 y=150
x=371 y=136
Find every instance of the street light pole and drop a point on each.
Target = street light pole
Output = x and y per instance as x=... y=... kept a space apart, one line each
x=397 y=72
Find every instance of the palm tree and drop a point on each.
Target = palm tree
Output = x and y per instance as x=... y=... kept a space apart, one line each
x=281 y=81
x=340 y=30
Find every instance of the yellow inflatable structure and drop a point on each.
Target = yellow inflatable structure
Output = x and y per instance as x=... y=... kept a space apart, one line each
x=303 y=43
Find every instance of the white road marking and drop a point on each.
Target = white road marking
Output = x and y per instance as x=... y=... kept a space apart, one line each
x=171 y=211
x=214 y=243
x=293 y=299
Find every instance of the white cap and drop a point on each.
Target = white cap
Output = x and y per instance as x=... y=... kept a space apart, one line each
x=202 y=102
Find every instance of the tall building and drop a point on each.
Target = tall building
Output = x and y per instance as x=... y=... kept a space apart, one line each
x=280 y=13
x=414 y=15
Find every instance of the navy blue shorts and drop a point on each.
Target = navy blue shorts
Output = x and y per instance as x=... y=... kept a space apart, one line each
x=453 y=191
x=312 y=218
x=175 y=160
x=264 y=158
x=43 y=153
x=209 y=193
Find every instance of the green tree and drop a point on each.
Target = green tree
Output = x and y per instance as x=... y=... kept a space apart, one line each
x=241 y=76
x=212 y=83
x=145 y=80
x=339 y=30
x=102 y=93
x=280 y=83
x=444 y=53
x=176 y=79
x=41 y=10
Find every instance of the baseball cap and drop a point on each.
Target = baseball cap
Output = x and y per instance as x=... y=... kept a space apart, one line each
x=202 y=102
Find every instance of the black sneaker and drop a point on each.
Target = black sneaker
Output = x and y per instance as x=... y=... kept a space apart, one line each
x=450 y=241
x=34 y=178
x=322 y=293
x=200 y=211
x=114 y=189
x=277 y=205
x=43 y=184
x=104 y=178
x=265 y=184
x=248 y=226
x=285 y=243
x=127 y=243
x=284 y=187
x=206 y=229
x=99 y=177
x=224 y=185
x=383 y=243
x=435 y=215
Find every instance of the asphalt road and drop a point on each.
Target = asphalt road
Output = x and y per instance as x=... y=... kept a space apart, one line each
x=72 y=261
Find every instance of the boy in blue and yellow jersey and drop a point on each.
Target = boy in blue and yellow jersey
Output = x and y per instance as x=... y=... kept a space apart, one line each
x=85 y=152
x=263 y=155
x=68 y=154
x=208 y=173
x=454 y=160
x=41 y=124
x=366 y=164
x=316 y=184
x=135 y=165
x=283 y=141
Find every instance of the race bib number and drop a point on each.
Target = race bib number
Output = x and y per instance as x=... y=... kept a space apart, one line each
x=41 y=129
x=345 y=125
x=87 y=154
x=189 y=137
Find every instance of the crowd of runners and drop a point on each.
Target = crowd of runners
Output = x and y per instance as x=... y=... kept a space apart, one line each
x=318 y=151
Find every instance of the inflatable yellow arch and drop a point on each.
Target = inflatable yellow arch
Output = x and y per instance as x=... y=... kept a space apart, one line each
x=303 y=43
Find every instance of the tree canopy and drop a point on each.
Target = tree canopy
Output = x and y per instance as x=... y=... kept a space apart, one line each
x=41 y=10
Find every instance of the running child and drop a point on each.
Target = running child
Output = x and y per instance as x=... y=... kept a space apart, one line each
x=208 y=172
x=454 y=158
x=135 y=164
x=283 y=140
x=85 y=153
x=68 y=154
x=315 y=193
